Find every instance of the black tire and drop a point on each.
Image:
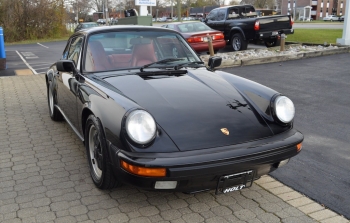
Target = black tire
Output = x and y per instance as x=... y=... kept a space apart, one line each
x=238 y=43
x=272 y=42
x=55 y=114
x=97 y=155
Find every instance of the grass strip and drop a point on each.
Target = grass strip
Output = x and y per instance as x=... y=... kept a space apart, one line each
x=317 y=36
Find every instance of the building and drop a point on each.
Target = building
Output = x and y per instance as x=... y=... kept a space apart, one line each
x=319 y=8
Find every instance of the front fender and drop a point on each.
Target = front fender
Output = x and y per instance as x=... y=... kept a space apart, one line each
x=259 y=96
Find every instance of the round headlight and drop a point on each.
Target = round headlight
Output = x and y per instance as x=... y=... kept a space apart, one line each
x=284 y=108
x=140 y=126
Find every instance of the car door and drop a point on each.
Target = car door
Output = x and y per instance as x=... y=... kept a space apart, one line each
x=220 y=20
x=211 y=19
x=67 y=84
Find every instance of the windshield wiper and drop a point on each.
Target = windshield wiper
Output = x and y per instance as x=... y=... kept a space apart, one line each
x=195 y=64
x=160 y=62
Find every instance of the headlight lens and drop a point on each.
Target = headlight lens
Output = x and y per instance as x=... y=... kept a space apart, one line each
x=140 y=126
x=284 y=108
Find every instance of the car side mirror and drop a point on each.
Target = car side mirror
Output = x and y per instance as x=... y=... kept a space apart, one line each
x=66 y=66
x=214 y=61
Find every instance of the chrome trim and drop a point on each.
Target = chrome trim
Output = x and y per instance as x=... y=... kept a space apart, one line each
x=70 y=124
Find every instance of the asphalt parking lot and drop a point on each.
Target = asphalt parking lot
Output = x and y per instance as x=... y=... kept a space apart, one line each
x=44 y=178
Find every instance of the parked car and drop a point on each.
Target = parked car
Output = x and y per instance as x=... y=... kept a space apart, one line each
x=196 y=34
x=330 y=18
x=341 y=19
x=101 y=21
x=301 y=18
x=240 y=24
x=85 y=25
x=163 y=121
x=113 y=21
x=162 y=19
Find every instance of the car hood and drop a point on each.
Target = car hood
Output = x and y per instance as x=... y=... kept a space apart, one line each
x=195 y=108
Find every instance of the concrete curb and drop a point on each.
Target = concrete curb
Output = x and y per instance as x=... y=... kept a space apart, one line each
x=226 y=62
x=311 y=208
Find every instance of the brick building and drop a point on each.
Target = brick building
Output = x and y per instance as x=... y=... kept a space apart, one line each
x=319 y=8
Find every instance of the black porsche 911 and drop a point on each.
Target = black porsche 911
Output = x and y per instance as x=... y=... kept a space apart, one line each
x=151 y=114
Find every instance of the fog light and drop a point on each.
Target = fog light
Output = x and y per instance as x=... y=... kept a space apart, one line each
x=283 y=162
x=165 y=185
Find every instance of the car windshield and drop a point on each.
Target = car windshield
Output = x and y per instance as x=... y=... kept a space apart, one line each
x=193 y=27
x=134 y=49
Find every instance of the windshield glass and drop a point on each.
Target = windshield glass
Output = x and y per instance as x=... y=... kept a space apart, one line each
x=117 y=50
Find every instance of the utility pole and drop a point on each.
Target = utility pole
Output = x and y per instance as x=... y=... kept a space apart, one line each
x=179 y=11
x=107 y=16
x=172 y=11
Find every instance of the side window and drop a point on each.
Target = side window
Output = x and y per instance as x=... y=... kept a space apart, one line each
x=212 y=15
x=221 y=15
x=233 y=13
x=249 y=12
x=75 y=48
x=170 y=26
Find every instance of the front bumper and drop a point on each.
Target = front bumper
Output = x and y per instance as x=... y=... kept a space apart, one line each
x=200 y=170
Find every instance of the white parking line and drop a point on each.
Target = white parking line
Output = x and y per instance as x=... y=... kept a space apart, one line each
x=25 y=62
x=42 y=45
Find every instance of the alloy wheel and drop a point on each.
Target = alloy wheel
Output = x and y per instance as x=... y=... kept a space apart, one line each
x=95 y=152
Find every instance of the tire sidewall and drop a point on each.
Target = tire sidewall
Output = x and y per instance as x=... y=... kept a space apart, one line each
x=236 y=36
x=54 y=112
x=92 y=120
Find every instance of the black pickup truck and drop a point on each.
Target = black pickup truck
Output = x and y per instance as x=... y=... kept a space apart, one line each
x=240 y=24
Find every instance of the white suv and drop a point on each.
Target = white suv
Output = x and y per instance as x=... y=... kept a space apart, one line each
x=330 y=18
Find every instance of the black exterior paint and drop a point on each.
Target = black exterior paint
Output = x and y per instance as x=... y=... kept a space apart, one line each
x=189 y=109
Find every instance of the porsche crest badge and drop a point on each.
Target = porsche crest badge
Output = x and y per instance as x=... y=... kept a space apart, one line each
x=225 y=131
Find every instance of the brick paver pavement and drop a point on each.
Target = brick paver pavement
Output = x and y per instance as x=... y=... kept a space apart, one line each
x=44 y=178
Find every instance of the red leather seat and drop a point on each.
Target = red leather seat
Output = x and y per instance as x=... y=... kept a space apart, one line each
x=96 y=58
x=143 y=54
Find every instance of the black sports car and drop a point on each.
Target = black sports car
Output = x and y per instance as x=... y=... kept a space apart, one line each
x=153 y=115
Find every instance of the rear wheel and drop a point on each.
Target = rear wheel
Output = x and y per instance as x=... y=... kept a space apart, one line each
x=97 y=155
x=55 y=114
x=238 y=43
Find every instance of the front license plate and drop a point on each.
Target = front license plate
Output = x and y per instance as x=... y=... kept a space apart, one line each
x=234 y=182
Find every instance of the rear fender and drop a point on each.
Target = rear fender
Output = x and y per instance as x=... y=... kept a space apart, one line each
x=235 y=30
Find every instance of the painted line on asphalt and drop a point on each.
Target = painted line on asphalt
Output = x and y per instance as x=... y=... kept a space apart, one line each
x=25 y=62
x=42 y=45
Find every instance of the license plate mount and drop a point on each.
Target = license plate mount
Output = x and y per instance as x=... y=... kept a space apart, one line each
x=234 y=182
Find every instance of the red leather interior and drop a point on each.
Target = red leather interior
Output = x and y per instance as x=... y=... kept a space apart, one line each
x=120 y=60
x=143 y=54
x=99 y=58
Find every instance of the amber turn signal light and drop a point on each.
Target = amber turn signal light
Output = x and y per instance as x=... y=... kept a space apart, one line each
x=143 y=171
x=299 y=146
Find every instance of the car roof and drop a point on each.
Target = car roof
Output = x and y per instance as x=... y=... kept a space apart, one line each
x=121 y=27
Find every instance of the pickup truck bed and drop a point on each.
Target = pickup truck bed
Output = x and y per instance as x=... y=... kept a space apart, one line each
x=240 y=24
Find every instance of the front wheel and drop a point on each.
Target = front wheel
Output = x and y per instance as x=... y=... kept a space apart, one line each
x=238 y=43
x=97 y=155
